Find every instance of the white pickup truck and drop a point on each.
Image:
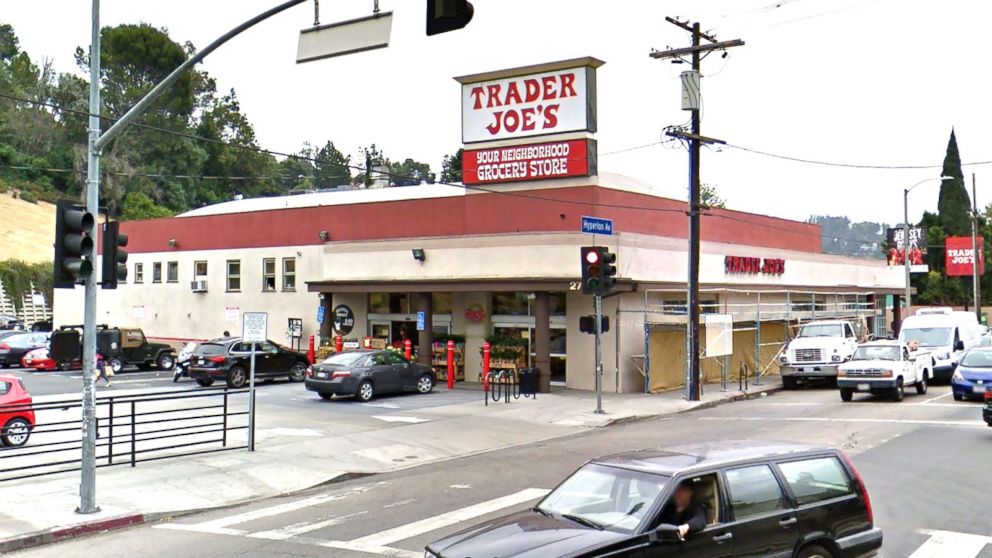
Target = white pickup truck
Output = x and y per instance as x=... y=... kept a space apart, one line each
x=817 y=350
x=884 y=367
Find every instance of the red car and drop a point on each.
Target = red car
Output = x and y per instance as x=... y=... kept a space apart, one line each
x=16 y=411
x=40 y=360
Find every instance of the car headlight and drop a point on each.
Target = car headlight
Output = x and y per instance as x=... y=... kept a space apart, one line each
x=957 y=376
x=784 y=359
x=944 y=356
x=835 y=358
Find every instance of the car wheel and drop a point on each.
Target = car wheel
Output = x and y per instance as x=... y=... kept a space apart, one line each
x=899 y=393
x=921 y=386
x=64 y=366
x=16 y=432
x=116 y=364
x=846 y=394
x=814 y=551
x=425 y=384
x=165 y=361
x=366 y=391
x=325 y=396
x=237 y=377
x=205 y=382
x=958 y=396
x=298 y=372
x=789 y=382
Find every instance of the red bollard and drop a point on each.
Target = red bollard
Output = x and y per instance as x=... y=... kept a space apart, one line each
x=311 y=353
x=451 y=364
x=486 y=350
x=408 y=348
x=338 y=344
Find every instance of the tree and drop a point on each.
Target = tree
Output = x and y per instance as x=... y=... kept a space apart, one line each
x=139 y=206
x=842 y=237
x=954 y=204
x=709 y=197
x=451 y=167
x=331 y=167
x=410 y=173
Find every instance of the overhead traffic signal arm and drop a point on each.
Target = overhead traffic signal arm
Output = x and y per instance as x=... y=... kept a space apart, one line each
x=73 y=261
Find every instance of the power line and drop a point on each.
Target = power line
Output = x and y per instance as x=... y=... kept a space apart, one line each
x=845 y=165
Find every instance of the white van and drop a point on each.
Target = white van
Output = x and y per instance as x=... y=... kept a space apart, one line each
x=945 y=334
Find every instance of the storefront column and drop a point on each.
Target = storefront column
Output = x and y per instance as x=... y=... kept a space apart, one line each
x=327 y=326
x=542 y=339
x=426 y=339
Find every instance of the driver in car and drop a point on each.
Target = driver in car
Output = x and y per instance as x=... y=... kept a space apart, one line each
x=683 y=511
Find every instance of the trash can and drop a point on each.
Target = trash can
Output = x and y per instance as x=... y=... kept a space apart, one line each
x=528 y=380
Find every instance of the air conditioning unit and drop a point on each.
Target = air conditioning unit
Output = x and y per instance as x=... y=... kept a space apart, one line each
x=199 y=286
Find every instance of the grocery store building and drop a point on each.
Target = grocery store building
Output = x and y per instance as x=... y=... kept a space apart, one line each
x=497 y=259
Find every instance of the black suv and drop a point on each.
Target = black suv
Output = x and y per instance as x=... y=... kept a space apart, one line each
x=122 y=346
x=757 y=499
x=230 y=360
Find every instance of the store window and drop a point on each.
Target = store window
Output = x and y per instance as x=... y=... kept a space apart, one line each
x=139 y=273
x=199 y=270
x=234 y=275
x=289 y=274
x=389 y=303
x=157 y=272
x=268 y=275
x=679 y=307
x=172 y=272
x=441 y=303
x=510 y=304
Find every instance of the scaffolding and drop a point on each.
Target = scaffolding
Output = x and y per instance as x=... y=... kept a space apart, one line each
x=772 y=314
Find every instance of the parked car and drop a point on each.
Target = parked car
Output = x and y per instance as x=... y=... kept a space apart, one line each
x=230 y=360
x=816 y=352
x=40 y=359
x=367 y=373
x=11 y=323
x=759 y=499
x=44 y=325
x=973 y=377
x=14 y=347
x=16 y=411
x=987 y=409
x=945 y=333
x=128 y=346
x=884 y=368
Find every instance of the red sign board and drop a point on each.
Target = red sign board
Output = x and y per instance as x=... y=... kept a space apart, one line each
x=959 y=257
x=540 y=161
x=744 y=264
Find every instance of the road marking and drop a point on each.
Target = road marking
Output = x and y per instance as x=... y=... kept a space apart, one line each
x=964 y=423
x=382 y=405
x=297 y=529
x=944 y=544
x=426 y=525
x=221 y=526
x=380 y=550
x=399 y=418
x=948 y=394
x=461 y=486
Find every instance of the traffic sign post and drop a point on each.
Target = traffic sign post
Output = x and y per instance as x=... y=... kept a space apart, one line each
x=254 y=330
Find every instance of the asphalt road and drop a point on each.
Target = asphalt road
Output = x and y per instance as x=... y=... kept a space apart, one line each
x=925 y=462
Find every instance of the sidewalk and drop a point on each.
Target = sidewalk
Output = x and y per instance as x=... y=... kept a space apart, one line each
x=287 y=460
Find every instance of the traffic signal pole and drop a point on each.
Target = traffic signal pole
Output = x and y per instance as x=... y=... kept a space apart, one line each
x=97 y=142
x=598 y=302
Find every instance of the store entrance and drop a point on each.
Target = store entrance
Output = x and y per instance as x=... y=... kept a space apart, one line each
x=393 y=330
x=519 y=328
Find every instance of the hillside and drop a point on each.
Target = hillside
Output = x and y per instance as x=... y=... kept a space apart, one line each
x=26 y=230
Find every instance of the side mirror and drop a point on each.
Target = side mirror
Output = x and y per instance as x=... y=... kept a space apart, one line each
x=959 y=346
x=666 y=533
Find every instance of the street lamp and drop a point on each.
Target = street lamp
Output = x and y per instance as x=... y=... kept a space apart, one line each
x=905 y=230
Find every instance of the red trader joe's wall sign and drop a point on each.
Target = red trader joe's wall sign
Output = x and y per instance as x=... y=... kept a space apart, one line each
x=959 y=257
x=745 y=264
x=542 y=161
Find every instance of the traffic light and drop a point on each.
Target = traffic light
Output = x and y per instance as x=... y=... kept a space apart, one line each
x=587 y=324
x=448 y=15
x=73 y=245
x=598 y=270
x=114 y=255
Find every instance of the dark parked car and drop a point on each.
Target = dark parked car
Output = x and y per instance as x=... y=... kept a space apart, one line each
x=230 y=360
x=14 y=347
x=367 y=373
x=778 y=500
x=128 y=345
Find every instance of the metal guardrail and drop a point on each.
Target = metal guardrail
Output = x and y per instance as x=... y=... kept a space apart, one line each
x=131 y=429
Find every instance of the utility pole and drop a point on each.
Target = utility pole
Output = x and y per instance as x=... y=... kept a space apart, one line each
x=976 y=257
x=691 y=102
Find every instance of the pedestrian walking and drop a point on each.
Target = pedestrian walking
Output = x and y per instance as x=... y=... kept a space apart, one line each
x=103 y=370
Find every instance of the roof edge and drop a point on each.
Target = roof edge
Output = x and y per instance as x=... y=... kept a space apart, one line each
x=585 y=61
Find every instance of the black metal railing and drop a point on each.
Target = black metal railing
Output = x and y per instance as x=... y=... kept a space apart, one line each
x=506 y=384
x=131 y=429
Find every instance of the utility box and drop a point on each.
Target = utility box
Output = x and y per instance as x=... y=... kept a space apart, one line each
x=691 y=96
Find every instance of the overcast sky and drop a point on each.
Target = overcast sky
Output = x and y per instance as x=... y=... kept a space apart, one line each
x=875 y=82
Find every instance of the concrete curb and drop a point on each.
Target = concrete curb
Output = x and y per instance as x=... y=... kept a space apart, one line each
x=57 y=534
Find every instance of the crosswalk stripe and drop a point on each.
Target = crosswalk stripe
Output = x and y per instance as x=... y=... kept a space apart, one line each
x=298 y=529
x=426 y=525
x=947 y=544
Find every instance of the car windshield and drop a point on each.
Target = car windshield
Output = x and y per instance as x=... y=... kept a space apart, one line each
x=927 y=336
x=822 y=330
x=605 y=497
x=876 y=352
x=19 y=341
x=345 y=359
x=977 y=359
x=210 y=349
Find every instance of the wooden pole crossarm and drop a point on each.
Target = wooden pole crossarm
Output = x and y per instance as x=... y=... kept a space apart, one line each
x=676 y=52
x=689 y=136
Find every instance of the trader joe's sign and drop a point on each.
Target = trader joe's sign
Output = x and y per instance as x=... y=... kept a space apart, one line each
x=533 y=101
x=543 y=161
x=744 y=264
x=959 y=257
